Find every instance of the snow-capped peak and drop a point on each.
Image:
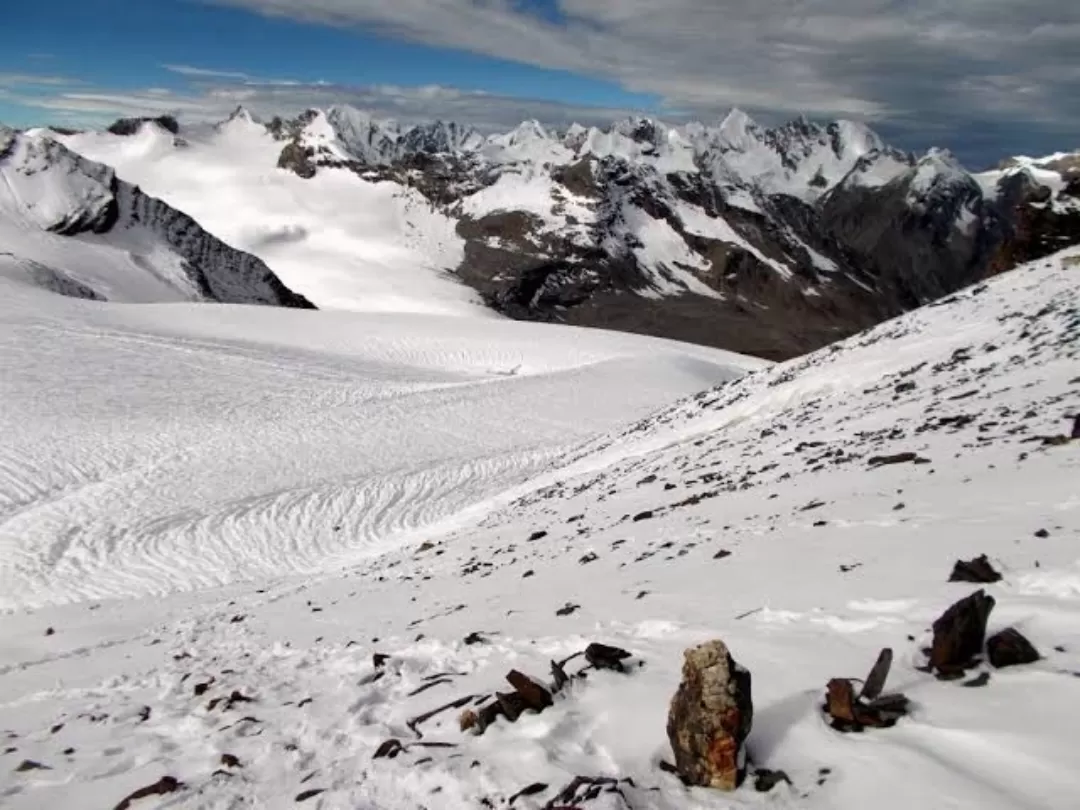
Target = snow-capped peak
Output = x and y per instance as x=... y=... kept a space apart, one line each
x=938 y=169
x=51 y=188
x=738 y=130
x=527 y=131
x=242 y=115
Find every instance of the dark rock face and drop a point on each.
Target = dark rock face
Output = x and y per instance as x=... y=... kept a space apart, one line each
x=710 y=718
x=959 y=634
x=130 y=126
x=1009 y=648
x=298 y=159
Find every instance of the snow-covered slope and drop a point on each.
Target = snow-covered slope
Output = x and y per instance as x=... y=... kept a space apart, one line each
x=340 y=241
x=69 y=225
x=156 y=448
x=755 y=512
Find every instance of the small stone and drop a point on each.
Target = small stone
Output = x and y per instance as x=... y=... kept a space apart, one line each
x=1009 y=648
x=49 y=631
x=31 y=765
x=1042 y=534
x=640 y=516
x=765 y=780
x=230 y=761
x=162 y=787
x=710 y=718
x=537 y=536
x=389 y=749
x=896 y=458
x=309 y=794
x=722 y=554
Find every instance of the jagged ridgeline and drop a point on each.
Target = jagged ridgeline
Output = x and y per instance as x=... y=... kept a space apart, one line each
x=767 y=241
x=771 y=241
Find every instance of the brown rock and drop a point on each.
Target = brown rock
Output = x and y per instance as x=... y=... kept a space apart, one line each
x=536 y=697
x=960 y=632
x=710 y=718
x=1009 y=648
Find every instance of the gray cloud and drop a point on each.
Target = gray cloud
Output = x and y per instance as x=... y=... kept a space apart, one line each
x=905 y=65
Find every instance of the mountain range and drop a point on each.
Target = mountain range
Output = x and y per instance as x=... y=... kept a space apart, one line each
x=767 y=241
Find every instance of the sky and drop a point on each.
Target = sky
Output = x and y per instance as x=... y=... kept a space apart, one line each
x=985 y=78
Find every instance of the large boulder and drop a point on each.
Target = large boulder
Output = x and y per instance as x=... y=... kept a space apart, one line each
x=710 y=718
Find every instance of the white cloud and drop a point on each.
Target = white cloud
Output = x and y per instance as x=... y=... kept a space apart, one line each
x=205 y=73
x=484 y=111
x=35 y=80
x=906 y=64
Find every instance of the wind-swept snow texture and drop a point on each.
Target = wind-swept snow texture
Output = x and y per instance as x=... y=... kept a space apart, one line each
x=753 y=512
x=153 y=448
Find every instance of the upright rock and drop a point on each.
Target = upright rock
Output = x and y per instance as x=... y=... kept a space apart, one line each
x=959 y=634
x=710 y=718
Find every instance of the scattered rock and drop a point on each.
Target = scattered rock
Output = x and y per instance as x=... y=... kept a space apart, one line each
x=474 y=638
x=1009 y=648
x=162 y=787
x=765 y=780
x=536 y=696
x=959 y=634
x=389 y=750
x=870 y=709
x=379 y=660
x=31 y=765
x=1042 y=534
x=897 y=458
x=567 y=609
x=230 y=761
x=309 y=794
x=589 y=558
x=537 y=536
x=640 y=516
x=978 y=570
x=531 y=790
x=722 y=554
x=49 y=631
x=710 y=718
x=602 y=656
